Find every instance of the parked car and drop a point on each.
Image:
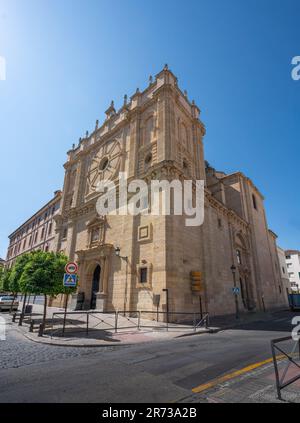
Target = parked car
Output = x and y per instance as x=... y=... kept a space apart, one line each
x=6 y=303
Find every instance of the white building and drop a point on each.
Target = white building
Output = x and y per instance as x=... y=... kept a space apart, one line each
x=283 y=269
x=292 y=258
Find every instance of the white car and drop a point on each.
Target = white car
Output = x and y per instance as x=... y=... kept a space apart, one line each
x=6 y=303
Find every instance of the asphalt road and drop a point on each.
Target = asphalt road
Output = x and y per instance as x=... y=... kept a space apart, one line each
x=157 y=372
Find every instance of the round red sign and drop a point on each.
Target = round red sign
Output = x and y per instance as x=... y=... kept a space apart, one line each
x=71 y=268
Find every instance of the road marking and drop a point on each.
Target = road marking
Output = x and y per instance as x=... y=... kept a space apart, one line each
x=232 y=375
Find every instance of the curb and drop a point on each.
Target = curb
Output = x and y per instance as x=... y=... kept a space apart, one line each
x=77 y=345
x=96 y=345
x=43 y=340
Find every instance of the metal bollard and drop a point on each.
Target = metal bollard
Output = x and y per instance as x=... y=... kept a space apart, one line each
x=87 y=323
x=20 y=320
x=116 y=321
x=41 y=329
x=31 y=326
x=14 y=317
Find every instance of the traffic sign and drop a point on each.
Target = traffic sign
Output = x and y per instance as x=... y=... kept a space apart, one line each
x=235 y=290
x=71 y=267
x=70 y=280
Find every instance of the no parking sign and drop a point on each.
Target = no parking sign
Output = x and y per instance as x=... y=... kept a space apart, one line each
x=71 y=268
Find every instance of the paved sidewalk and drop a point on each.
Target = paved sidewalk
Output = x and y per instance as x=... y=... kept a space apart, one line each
x=101 y=329
x=102 y=332
x=256 y=382
x=258 y=386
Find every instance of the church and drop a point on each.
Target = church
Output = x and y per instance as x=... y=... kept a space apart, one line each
x=150 y=263
x=128 y=262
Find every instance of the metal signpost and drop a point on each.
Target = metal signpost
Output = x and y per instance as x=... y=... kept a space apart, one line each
x=70 y=281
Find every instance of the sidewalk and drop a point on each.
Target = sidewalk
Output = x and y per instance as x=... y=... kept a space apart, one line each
x=258 y=386
x=101 y=329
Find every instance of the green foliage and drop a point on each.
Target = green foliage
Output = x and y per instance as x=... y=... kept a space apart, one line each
x=37 y=272
x=43 y=274
x=16 y=272
x=4 y=280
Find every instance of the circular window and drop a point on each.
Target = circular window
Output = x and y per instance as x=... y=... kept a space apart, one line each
x=103 y=164
x=148 y=158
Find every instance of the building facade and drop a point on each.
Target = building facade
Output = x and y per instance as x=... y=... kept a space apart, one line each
x=128 y=262
x=293 y=267
x=283 y=269
x=37 y=233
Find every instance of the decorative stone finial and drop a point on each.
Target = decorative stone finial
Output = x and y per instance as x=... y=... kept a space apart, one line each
x=97 y=124
x=185 y=93
x=86 y=134
x=137 y=91
x=150 y=79
x=166 y=67
x=73 y=146
x=111 y=110
x=125 y=99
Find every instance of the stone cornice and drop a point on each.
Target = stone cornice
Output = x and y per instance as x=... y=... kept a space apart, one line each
x=246 y=178
x=102 y=250
x=231 y=214
x=50 y=203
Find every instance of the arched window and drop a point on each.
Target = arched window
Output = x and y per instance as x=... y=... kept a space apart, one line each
x=239 y=256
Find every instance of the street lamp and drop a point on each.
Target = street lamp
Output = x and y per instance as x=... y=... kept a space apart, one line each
x=233 y=270
x=118 y=253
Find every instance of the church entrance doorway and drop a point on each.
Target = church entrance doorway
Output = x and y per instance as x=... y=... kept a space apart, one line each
x=95 y=286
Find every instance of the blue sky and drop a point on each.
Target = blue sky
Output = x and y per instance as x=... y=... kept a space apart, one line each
x=66 y=60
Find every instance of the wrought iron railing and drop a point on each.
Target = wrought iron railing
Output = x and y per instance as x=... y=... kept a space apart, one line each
x=291 y=357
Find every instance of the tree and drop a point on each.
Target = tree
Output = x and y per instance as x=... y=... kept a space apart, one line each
x=15 y=277
x=4 y=280
x=43 y=274
x=1 y=275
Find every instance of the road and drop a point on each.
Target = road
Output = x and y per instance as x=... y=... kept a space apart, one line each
x=157 y=372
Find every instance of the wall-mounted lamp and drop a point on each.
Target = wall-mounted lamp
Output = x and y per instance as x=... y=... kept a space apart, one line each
x=118 y=253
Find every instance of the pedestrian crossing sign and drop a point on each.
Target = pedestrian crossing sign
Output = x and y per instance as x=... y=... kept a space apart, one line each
x=70 y=280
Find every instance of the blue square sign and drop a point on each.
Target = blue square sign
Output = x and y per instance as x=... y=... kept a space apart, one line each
x=70 y=280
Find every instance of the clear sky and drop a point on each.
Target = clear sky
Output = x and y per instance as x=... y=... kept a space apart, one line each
x=66 y=60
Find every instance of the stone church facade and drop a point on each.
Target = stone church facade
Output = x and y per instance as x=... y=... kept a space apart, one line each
x=125 y=262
